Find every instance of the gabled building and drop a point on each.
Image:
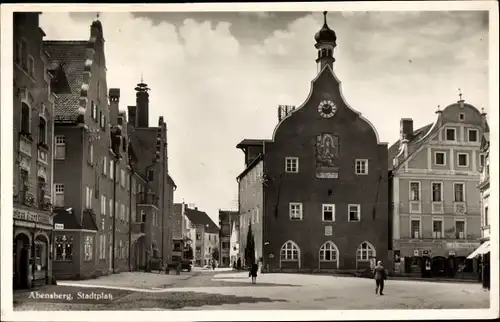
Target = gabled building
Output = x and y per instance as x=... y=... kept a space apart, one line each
x=91 y=180
x=436 y=213
x=206 y=235
x=315 y=195
x=229 y=224
x=37 y=85
x=155 y=199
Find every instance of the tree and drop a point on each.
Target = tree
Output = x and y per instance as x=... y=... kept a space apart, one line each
x=215 y=254
x=250 y=247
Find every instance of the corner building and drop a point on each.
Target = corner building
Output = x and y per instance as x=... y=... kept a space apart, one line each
x=324 y=201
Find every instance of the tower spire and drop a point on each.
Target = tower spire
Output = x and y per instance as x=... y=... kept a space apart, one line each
x=326 y=41
x=324 y=17
x=460 y=94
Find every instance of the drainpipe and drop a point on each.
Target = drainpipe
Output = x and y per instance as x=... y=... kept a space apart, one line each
x=163 y=208
x=117 y=159
x=130 y=220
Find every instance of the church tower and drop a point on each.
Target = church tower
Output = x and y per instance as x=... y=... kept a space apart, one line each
x=325 y=43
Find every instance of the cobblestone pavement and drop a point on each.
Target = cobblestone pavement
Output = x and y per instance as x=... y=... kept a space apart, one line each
x=209 y=290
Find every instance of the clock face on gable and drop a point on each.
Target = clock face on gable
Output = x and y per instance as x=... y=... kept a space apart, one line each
x=327 y=109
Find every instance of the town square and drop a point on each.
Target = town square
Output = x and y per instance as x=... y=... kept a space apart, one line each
x=322 y=159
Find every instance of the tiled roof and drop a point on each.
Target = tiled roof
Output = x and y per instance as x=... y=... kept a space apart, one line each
x=89 y=222
x=66 y=218
x=417 y=135
x=201 y=218
x=72 y=54
x=171 y=181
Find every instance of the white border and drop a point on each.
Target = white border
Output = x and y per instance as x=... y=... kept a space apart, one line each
x=6 y=164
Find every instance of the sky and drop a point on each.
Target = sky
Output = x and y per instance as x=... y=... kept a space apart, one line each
x=218 y=77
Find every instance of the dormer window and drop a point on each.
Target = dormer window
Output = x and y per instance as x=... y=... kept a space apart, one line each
x=472 y=135
x=450 y=134
x=461 y=117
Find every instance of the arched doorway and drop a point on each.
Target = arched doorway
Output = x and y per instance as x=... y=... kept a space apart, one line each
x=21 y=260
x=365 y=256
x=140 y=253
x=41 y=258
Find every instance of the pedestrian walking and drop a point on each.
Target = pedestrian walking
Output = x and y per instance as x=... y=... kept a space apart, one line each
x=380 y=277
x=253 y=272
x=213 y=265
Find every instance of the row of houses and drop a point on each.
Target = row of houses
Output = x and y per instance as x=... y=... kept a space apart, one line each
x=324 y=193
x=195 y=235
x=92 y=190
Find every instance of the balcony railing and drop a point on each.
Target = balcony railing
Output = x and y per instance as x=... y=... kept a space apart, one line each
x=138 y=227
x=147 y=198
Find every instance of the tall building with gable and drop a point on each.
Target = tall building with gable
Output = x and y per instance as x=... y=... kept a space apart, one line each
x=436 y=209
x=315 y=195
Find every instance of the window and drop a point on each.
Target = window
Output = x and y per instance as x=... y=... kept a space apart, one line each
x=450 y=134
x=198 y=249
x=295 y=211
x=328 y=212
x=133 y=215
x=361 y=166
x=198 y=236
x=461 y=116
x=88 y=197
x=365 y=251
x=94 y=110
x=481 y=160
x=122 y=178
x=143 y=216
x=105 y=165
x=328 y=252
x=463 y=160
x=103 y=223
x=414 y=191
x=292 y=165
x=111 y=169
x=111 y=207
x=31 y=66
x=101 y=119
x=122 y=209
x=460 y=229
x=458 y=192
x=289 y=252
x=90 y=156
x=151 y=175
x=25 y=118
x=437 y=228
x=486 y=222
x=415 y=228
x=440 y=158
x=103 y=205
x=59 y=195
x=63 y=248
x=473 y=135
x=88 y=247
x=354 y=212
x=41 y=191
x=60 y=151
x=437 y=195
x=42 y=131
x=24 y=54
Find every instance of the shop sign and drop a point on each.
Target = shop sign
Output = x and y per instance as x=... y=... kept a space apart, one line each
x=415 y=252
x=461 y=245
x=58 y=226
x=426 y=252
x=26 y=215
x=451 y=253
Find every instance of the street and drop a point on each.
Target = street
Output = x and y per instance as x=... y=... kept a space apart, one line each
x=227 y=290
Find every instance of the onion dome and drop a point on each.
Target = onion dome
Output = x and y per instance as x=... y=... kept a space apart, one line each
x=325 y=34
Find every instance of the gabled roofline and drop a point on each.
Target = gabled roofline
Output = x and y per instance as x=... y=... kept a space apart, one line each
x=251 y=166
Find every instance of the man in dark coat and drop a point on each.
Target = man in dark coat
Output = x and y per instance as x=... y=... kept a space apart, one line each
x=380 y=276
x=253 y=272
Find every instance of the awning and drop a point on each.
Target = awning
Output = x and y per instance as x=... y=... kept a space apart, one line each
x=483 y=249
x=136 y=237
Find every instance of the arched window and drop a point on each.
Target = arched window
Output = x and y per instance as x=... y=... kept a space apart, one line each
x=365 y=251
x=328 y=252
x=25 y=118
x=289 y=251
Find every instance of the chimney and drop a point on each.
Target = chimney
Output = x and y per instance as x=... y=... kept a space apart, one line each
x=406 y=129
x=142 y=103
x=132 y=116
x=114 y=99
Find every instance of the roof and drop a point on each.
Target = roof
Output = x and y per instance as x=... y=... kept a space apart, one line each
x=251 y=142
x=66 y=218
x=198 y=217
x=250 y=166
x=171 y=181
x=73 y=55
x=417 y=135
x=88 y=221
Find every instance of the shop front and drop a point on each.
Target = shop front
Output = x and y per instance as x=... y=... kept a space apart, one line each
x=435 y=258
x=31 y=247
